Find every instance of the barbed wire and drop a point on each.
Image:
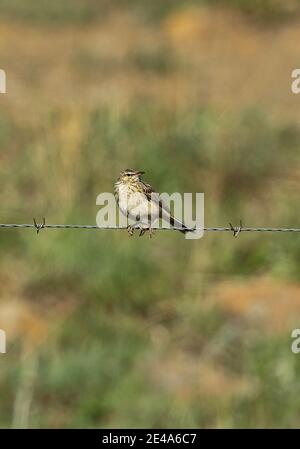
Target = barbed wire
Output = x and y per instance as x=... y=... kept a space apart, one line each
x=236 y=230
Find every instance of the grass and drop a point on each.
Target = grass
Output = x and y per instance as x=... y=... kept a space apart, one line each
x=134 y=302
x=84 y=12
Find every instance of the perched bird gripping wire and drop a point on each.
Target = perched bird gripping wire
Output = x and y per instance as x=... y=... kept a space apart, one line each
x=142 y=206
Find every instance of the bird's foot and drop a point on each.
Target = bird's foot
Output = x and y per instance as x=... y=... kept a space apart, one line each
x=151 y=232
x=142 y=232
x=130 y=230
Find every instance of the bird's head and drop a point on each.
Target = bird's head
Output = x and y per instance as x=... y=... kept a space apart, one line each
x=128 y=176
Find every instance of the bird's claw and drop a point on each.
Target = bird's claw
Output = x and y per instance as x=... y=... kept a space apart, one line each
x=130 y=230
x=143 y=230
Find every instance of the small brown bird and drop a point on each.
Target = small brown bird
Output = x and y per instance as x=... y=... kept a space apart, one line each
x=139 y=202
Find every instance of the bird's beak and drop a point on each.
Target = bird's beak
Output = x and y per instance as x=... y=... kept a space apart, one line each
x=140 y=172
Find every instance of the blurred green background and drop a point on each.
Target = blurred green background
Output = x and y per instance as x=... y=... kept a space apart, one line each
x=111 y=331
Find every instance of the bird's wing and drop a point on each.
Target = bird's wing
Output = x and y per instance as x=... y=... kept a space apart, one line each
x=164 y=209
x=153 y=196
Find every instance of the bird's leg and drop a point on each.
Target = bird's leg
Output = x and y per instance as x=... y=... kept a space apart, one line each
x=142 y=232
x=151 y=232
x=130 y=230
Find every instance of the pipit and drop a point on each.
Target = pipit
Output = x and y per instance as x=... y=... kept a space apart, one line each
x=142 y=206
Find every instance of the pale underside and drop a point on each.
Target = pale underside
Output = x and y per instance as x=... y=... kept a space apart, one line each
x=141 y=211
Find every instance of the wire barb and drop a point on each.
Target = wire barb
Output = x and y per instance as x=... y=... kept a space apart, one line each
x=39 y=226
x=236 y=229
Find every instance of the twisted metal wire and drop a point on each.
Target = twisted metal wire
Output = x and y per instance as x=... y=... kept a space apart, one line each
x=235 y=229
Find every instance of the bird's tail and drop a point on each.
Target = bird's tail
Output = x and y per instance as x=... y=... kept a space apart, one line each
x=179 y=226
